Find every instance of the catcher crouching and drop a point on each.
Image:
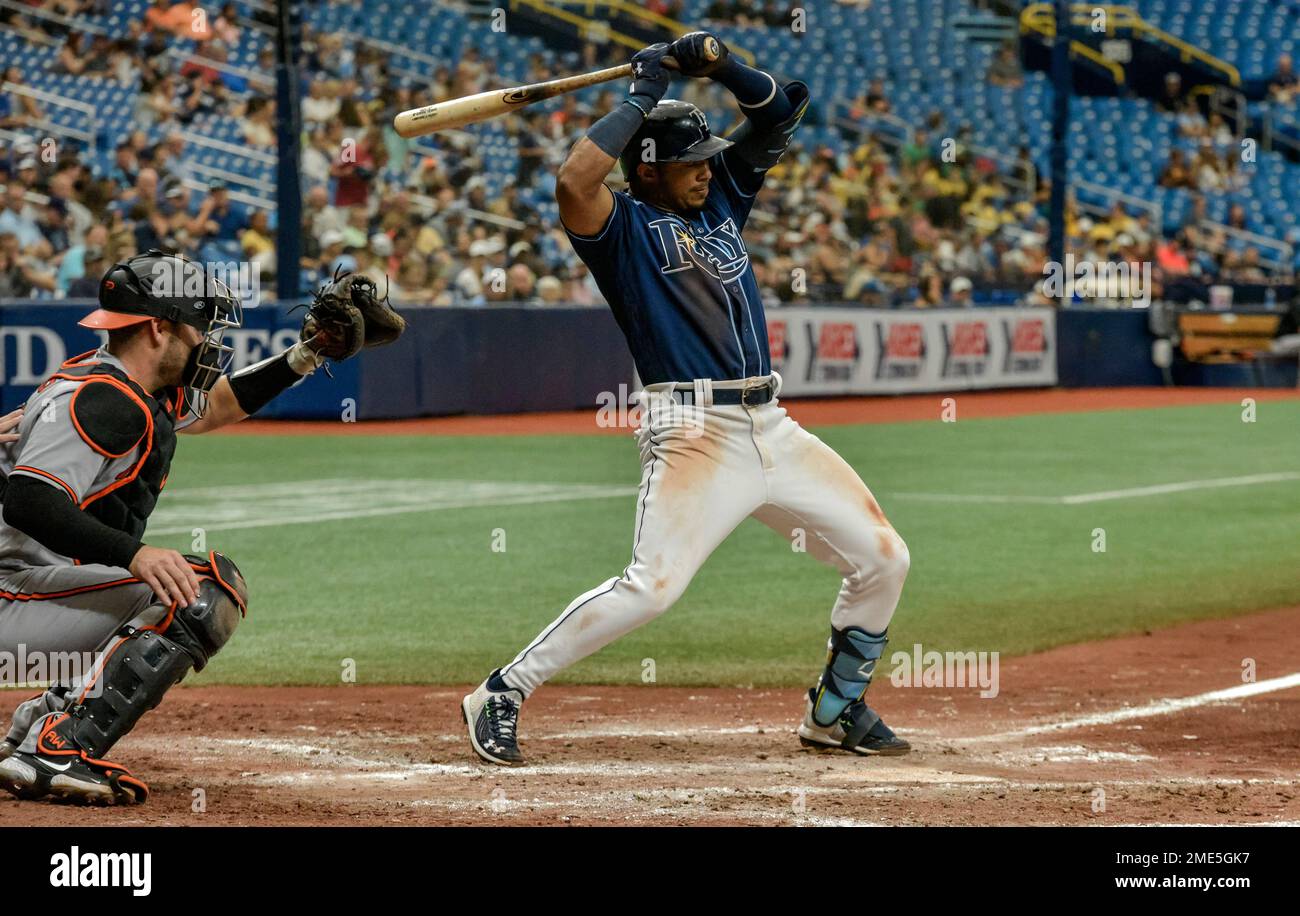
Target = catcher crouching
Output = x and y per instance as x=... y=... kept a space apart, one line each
x=80 y=473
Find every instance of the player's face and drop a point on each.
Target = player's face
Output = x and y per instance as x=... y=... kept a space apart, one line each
x=682 y=185
x=181 y=340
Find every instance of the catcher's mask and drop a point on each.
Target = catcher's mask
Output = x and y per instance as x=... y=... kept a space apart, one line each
x=156 y=284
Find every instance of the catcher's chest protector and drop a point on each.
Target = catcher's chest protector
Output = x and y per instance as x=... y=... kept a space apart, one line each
x=127 y=504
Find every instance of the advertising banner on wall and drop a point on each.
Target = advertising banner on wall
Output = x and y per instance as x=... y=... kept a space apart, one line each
x=862 y=351
x=35 y=339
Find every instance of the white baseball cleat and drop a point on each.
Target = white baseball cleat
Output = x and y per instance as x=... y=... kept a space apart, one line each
x=491 y=717
x=858 y=730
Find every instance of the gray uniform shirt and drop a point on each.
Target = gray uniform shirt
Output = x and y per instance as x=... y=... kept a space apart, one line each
x=51 y=449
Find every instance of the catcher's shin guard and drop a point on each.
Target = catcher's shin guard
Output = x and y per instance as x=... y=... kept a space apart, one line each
x=850 y=661
x=141 y=665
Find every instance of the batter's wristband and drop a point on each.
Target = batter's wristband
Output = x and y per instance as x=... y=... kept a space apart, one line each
x=613 y=132
x=257 y=386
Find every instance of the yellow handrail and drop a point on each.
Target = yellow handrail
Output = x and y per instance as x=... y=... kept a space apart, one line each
x=1031 y=21
x=591 y=25
x=631 y=9
x=587 y=26
x=1039 y=17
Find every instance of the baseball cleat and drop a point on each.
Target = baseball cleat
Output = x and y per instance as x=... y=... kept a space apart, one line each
x=492 y=717
x=74 y=779
x=859 y=729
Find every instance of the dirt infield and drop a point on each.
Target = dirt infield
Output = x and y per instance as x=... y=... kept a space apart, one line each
x=810 y=411
x=1128 y=731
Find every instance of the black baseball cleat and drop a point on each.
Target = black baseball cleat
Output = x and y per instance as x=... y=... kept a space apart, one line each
x=492 y=717
x=72 y=779
x=859 y=730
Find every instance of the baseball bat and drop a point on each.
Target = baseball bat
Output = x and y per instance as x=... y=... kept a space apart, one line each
x=470 y=109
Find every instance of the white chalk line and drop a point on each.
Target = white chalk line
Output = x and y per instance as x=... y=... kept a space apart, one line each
x=296 y=502
x=308 y=502
x=1162 y=707
x=1079 y=499
x=616 y=731
x=1183 y=487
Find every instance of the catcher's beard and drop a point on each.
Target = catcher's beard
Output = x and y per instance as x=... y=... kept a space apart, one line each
x=174 y=361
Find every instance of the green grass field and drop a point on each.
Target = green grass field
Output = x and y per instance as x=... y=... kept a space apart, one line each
x=422 y=597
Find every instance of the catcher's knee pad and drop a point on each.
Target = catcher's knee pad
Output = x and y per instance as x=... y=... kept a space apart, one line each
x=203 y=627
x=850 y=661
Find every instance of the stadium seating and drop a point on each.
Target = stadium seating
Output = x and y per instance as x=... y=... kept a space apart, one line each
x=927 y=65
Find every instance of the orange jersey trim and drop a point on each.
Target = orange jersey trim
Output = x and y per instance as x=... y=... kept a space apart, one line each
x=67 y=593
x=47 y=476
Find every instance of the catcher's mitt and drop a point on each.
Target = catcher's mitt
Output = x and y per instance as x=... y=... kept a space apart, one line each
x=346 y=315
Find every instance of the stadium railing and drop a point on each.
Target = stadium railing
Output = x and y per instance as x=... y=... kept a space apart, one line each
x=1117 y=20
x=87 y=136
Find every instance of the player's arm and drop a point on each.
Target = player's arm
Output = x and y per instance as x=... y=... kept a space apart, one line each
x=235 y=397
x=43 y=512
x=585 y=202
x=772 y=112
x=345 y=316
x=60 y=460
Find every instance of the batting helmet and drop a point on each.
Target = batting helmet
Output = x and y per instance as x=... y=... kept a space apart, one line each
x=678 y=132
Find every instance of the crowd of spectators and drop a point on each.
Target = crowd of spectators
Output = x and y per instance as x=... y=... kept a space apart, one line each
x=921 y=222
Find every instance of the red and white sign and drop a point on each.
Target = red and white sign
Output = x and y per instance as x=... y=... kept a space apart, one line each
x=868 y=351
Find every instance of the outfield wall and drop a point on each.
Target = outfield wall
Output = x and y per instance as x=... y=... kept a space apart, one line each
x=511 y=359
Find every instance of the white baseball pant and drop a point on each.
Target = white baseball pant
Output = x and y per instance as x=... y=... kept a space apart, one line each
x=705 y=469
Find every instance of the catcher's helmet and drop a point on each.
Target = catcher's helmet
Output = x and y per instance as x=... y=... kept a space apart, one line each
x=679 y=133
x=156 y=284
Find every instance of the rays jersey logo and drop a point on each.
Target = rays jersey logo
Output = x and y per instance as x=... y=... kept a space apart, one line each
x=720 y=254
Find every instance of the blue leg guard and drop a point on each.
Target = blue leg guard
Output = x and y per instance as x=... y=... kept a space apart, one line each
x=850 y=662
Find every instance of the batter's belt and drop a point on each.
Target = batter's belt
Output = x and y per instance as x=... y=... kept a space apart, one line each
x=749 y=392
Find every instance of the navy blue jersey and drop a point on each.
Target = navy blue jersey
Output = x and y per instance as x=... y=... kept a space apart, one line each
x=681 y=286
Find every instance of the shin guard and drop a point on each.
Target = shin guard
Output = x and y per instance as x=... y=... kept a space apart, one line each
x=141 y=665
x=850 y=661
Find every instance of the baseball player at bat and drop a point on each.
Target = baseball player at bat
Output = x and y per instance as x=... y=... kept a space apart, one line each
x=80 y=474
x=670 y=259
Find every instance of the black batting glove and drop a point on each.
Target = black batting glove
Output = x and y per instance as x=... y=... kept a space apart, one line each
x=649 y=77
x=698 y=54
